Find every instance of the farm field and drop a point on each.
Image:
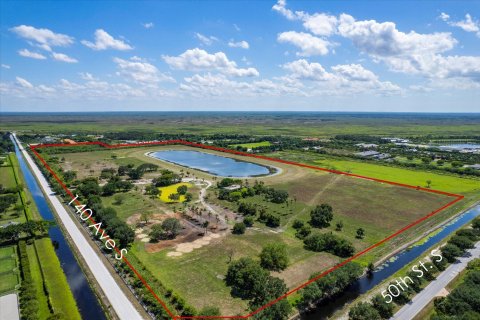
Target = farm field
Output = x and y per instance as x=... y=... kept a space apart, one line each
x=441 y=182
x=252 y=145
x=9 y=271
x=380 y=209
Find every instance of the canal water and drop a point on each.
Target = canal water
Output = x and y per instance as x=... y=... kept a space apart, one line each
x=86 y=300
x=384 y=271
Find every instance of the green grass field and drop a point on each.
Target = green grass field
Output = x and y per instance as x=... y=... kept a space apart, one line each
x=9 y=273
x=252 y=145
x=448 y=183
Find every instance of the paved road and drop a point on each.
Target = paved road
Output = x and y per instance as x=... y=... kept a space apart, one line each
x=119 y=301
x=419 y=302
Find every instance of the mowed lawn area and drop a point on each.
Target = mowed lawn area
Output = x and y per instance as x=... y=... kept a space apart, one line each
x=9 y=271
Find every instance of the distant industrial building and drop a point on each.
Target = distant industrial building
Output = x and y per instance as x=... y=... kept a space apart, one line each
x=369 y=153
x=473 y=166
x=367 y=145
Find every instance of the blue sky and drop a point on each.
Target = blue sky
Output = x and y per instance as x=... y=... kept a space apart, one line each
x=240 y=55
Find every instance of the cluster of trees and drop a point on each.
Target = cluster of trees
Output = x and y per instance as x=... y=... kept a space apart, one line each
x=166 y=178
x=250 y=281
x=271 y=220
x=116 y=184
x=13 y=231
x=303 y=230
x=270 y=194
x=168 y=229
x=227 y=182
x=329 y=286
x=138 y=172
x=249 y=210
x=274 y=257
x=377 y=309
x=6 y=201
x=321 y=216
x=329 y=242
x=28 y=293
x=6 y=144
x=464 y=301
x=462 y=240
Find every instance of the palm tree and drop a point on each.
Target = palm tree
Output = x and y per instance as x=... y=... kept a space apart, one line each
x=205 y=225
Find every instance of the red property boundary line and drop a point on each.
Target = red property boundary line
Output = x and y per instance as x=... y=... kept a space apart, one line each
x=457 y=197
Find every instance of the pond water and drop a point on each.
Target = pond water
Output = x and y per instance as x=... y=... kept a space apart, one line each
x=211 y=163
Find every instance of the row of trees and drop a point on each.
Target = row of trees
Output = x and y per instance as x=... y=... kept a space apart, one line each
x=329 y=242
x=329 y=286
x=28 y=293
x=464 y=301
x=115 y=227
x=12 y=232
x=462 y=240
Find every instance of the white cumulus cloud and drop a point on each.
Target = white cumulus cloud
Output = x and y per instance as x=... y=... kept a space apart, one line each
x=23 y=83
x=63 y=57
x=240 y=44
x=206 y=40
x=140 y=71
x=469 y=24
x=43 y=38
x=104 y=41
x=308 y=44
x=33 y=55
x=200 y=60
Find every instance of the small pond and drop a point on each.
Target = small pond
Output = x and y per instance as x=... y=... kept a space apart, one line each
x=213 y=164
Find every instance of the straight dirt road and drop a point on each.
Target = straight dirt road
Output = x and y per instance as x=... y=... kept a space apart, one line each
x=421 y=300
x=118 y=300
